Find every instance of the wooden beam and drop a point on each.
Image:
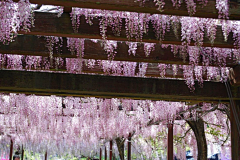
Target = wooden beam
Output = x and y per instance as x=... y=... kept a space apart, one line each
x=61 y=84
x=170 y=142
x=208 y=11
x=36 y=46
x=49 y=24
x=67 y=9
x=151 y=71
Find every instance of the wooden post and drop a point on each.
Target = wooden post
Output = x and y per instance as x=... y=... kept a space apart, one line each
x=235 y=138
x=110 y=154
x=170 y=142
x=100 y=157
x=105 y=153
x=11 y=150
x=46 y=155
x=129 y=146
x=67 y=9
x=22 y=156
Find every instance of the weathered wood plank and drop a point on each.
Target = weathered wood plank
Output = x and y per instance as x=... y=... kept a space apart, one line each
x=152 y=70
x=108 y=86
x=208 y=11
x=36 y=46
x=49 y=25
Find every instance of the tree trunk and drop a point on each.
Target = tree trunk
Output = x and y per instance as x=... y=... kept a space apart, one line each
x=120 y=145
x=114 y=156
x=199 y=132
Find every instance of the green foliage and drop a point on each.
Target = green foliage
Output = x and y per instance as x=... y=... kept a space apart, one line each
x=31 y=156
x=214 y=132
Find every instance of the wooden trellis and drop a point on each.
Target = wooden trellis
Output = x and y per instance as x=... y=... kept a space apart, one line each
x=48 y=24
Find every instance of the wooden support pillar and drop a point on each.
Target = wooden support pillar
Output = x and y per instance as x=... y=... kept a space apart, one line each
x=170 y=142
x=67 y=9
x=46 y=155
x=22 y=156
x=11 y=150
x=105 y=153
x=129 y=146
x=100 y=156
x=235 y=138
x=110 y=152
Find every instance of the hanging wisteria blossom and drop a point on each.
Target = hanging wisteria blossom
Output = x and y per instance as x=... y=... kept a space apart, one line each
x=13 y=18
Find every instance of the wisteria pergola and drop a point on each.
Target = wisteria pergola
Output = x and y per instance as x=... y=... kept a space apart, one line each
x=129 y=49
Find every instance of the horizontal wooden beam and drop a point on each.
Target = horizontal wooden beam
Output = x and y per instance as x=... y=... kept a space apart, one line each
x=36 y=46
x=49 y=24
x=93 y=51
x=208 y=11
x=61 y=84
x=151 y=71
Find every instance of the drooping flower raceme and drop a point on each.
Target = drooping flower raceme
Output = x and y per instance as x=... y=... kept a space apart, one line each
x=13 y=18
